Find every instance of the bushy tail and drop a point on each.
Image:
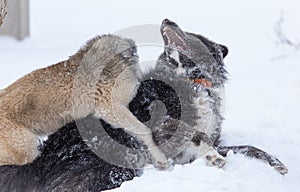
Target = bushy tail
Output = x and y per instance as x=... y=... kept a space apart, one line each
x=256 y=153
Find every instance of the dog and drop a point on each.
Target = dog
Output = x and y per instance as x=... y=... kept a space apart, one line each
x=195 y=57
x=199 y=61
x=100 y=79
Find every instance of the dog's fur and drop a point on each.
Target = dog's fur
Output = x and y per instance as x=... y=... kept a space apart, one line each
x=65 y=157
x=100 y=79
x=191 y=57
x=67 y=164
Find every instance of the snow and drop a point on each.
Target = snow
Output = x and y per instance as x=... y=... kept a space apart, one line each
x=262 y=106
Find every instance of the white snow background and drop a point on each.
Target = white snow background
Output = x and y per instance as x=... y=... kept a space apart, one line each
x=262 y=95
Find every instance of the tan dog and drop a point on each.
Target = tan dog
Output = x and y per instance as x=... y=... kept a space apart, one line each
x=100 y=79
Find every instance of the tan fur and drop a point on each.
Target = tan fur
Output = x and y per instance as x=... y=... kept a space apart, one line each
x=100 y=79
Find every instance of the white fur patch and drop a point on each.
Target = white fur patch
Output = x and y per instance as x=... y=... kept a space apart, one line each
x=205 y=150
x=221 y=93
x=207 y=119
x=189 y=153
x=175 y=55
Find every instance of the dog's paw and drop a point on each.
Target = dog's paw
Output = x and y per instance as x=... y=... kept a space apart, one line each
x=281 y=169
x=159 y=159
x=164 y=166
x=215 y=159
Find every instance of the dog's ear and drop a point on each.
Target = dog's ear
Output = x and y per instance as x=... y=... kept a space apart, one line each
x=224 y=50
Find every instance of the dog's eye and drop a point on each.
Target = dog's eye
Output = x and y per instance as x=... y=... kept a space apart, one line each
x=186 y=62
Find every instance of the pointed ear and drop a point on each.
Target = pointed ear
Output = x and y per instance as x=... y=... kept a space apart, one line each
x=224 y=50
x=174 y=36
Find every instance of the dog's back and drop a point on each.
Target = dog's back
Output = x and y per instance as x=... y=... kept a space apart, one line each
x=100 y=79
x=47 y=98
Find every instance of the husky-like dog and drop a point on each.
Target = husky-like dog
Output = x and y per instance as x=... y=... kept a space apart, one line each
x=194 y=57
x=199 y=60
x=100 y=79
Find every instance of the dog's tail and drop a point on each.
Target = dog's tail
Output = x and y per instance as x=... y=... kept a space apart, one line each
x=256 y=153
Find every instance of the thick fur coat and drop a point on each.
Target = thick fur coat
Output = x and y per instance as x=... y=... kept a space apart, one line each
x=100 y=79
x=66 y=163
x=167 y=102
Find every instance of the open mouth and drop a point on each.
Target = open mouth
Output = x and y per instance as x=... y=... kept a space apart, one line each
x=203 y=82
x=197 y=77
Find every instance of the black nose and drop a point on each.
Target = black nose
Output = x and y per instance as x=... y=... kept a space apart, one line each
x=169 y=22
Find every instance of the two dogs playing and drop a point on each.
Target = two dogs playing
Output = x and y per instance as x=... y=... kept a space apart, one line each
x=103 y=77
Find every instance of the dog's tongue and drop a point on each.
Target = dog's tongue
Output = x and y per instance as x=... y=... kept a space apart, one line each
x=203 y=82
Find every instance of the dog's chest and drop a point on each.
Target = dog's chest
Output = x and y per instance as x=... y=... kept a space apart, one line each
x=206 y=112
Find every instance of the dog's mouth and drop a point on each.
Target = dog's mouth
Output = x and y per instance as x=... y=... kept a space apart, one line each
x=198 y=76
x=173 y=36
x=204 y=82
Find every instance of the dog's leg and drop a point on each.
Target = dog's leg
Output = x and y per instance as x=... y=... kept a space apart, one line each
x=18 y=145
x=207 y=151
x=211 y=156
x=123 y=91
x=256 y=153
x=125 y=119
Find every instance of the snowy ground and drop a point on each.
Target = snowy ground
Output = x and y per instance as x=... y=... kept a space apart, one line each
x=262 y=94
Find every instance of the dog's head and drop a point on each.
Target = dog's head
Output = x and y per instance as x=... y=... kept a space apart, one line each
x=192 y=56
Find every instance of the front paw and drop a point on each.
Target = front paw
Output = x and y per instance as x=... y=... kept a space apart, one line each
x=215 y=159
x=167 y=165
x=159 y=159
